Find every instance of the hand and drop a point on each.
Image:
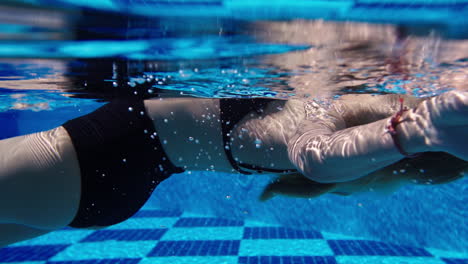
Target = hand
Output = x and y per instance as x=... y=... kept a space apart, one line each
x=444 y=122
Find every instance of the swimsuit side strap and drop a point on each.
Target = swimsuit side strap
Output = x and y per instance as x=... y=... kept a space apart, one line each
x=231 y=112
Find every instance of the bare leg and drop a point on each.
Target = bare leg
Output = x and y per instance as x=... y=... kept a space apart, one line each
x=39 y=180
x=12 y=233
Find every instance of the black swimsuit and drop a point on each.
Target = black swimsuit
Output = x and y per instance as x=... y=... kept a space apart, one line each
x=232 y=111
x=122 y=160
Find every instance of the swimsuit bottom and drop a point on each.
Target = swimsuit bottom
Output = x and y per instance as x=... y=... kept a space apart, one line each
x=121 y=162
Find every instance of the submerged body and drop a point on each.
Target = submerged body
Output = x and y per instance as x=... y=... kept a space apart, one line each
x=335 y=148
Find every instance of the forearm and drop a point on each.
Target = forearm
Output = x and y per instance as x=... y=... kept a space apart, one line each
x=353 y=152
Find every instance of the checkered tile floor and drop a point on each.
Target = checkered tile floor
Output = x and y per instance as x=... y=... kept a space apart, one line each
x=154 y=236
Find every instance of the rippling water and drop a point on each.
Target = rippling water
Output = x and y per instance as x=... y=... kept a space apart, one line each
x=227 y=58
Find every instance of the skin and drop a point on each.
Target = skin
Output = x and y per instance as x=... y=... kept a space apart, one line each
x=40 y=172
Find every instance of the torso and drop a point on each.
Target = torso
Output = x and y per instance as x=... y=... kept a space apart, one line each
x=190 y=129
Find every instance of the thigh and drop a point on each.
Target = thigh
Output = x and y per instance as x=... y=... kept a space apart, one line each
x=39 y=180
x=12 y=233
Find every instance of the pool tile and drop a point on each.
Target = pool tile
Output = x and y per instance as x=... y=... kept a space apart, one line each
x=260 y=224
x=447 y=254
x=204 y=221
x=125 y=235
x=373 y=248
x=287 y=260
x=98 y=261
x=334 y=236
x=204 y=233
x=24 y=262
x=387 y=260
x=29 y=253
x=156 y=213
x=455 y=260
x=145 y=223
x=196 y=248
x=283 y=247
x=57 y=238
x=105 y=250
x=191 y=260
x=279 y=232
x=208 y=240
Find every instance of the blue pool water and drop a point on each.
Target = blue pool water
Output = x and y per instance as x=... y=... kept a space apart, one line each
x=62 y=62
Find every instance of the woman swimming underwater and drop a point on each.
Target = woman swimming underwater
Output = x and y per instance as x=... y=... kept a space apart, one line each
x=99 y=169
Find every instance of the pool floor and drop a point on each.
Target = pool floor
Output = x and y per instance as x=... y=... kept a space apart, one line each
x=158 y=236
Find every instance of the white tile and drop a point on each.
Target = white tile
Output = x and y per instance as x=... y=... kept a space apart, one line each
x=108 y=249
x=204 y=233
x=386 y=260
x=284 y=247
x=190 y=260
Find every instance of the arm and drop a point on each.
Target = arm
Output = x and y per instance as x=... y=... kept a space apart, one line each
x=324 y=150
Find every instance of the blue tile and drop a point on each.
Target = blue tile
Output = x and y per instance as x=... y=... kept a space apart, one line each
x=29 y=253
x=97 y=261
x=157 y=213
x=287 y=260
x=455 y=260
x=125 y=235
x=196 y=248
x=279 y=232
x=373 y=248
x=200 y=222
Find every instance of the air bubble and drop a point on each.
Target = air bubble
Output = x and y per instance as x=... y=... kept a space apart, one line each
x=258 y=143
